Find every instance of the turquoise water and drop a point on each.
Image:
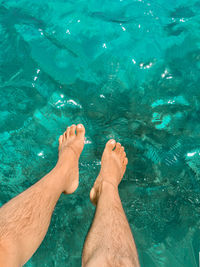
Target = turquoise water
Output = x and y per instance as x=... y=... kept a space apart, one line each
x=127 y=70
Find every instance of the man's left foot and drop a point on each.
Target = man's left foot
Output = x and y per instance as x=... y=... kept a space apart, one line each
x=71 y=144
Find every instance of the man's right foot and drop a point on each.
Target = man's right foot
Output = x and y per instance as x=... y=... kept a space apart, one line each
x=113 y=166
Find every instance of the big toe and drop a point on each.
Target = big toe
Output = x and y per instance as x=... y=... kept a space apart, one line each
x=60 y=140
x=80 y=129
x=110 y=145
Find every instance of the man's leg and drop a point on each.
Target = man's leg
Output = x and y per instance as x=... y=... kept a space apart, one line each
x=25 y=219
x=109 y=241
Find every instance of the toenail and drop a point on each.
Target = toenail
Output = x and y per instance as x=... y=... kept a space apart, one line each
x=80 y=126
x=112 y=142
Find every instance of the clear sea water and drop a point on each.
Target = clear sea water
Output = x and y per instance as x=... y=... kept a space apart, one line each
x=127 y=70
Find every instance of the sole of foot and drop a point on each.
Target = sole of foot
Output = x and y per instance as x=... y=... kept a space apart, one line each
x=113 y=167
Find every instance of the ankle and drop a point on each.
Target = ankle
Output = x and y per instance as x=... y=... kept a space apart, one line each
x=62 y=167
x=108 y=185
x=104 y=188
x=57 y=177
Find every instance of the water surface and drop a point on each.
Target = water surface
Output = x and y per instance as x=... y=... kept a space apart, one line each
x=127 y=70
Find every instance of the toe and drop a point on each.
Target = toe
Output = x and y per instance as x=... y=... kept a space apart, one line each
x=124 y=154
x=72 y=130
x=125 y=161
x=118 y=147
x=122 y=150
x=60 y=139
x=67 y=132
x=80 y=129
x=110 y=144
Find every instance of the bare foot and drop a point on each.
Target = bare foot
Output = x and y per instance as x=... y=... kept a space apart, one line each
x=71 y=144
x=113 y=166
